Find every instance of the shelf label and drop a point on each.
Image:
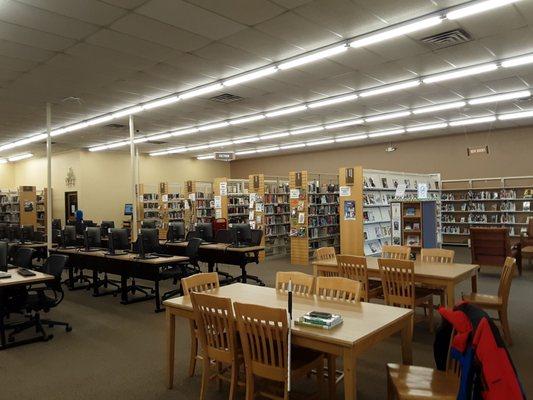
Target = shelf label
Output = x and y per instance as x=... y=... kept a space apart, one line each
x=164 y=197
x=422 y=190
x=218 y=202
x=192 y=196
x=223 y=188
x=345 y=191
x=400 y=190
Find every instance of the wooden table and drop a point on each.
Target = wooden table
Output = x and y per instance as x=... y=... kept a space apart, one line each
x=434 y=274
x=223 y=253
x=365 y=324
x=526 y=252
x=126 y=266
x=17 y=280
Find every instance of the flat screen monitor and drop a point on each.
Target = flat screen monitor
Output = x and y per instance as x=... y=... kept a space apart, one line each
x=105 y=226
x=118 y=240
x=204 y=231
x=92 y=238
x=68 y=237
x=13 y=232
x=128 y=209
x=26 y=233
x=150 y=239
x=148 y=224
x=176 y=231
x=4 y=231
x=243 y=233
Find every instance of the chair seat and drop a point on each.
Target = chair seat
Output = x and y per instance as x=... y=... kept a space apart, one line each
x=422 y=294
x=418 y=383
x=172 y=272
x=481 y=299
x=35 y=302
x=303 y=359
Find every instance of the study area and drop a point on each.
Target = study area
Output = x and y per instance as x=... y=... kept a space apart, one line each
x=266 y=199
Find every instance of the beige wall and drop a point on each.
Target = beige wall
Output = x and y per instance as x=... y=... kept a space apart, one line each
x=510 y=155
x=7 y=177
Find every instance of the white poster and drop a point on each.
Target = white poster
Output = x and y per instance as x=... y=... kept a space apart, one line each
x=218 y=213
x=218 y=202
x=400 y=190
x=345 y=191
x=422 y=190
x=164 y=197
x=259 y=207
x=186 y=205
x=192 y=196
x=295 y=193
x=223 y=188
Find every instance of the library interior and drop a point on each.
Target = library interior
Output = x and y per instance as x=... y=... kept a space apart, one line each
x=282 y=199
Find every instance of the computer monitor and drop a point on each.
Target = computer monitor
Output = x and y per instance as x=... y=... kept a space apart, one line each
x=176 y=231
x=243 y=233
x=26 y=233
x=147 y=242
x=68 y=236
x=128 y=209
x=118 y=241
x=3 y=231
x=150 y=224
x=204 y=231
x=92 y=239
x=4 y=247
x=89 y=223
x=56 y=224
x=105 y=226
x=13 y=232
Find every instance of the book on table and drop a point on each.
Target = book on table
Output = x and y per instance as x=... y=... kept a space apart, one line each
x=319 y=321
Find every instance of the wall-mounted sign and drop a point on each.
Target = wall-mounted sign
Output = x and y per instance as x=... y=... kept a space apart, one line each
x=70 y=180
x=189 y=186
x=345 y=191
x=349 y=178
x=256 y=181
x=477 y=150
x=298 y=179
x=224 y=155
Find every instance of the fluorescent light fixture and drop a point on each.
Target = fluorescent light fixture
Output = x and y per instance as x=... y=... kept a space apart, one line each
x=266 y=149
x=439 y=107
x=250 y=139
x=7 y=146
x=384 y=117
x=292 y=146
x=334 y=100
x=206 y=157
x=186 y=131
x=307 y=130
x=320 y=142
x=143 y=139
x=160 y=102
x=274 y=135
x=70 y=128
x=159 y=136
x=200 y=91
x=500 y=97
x=396 y=31
x=516 y=61
x=216 y=125
x=99 y=120
x=181 y=150
x=156 y=153
x=478 y=69
x=342 y=124
x=250 y=76
x=472 y=121
x=350 y=138
x=20 y=157
x=221 y=144
x=426 y=127
x=97 y=148
x=200 y=147
x=3 y=161
x=245 y=120
x=284 y=111
x=31 y=139
x=117 y=144
x=243 y=152
x=127 y=111
x=477 y=8
x=295 y=62
x=390 y=88
x=386 y=133
x=517 y=115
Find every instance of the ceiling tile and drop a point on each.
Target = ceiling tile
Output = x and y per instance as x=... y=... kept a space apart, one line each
x=231 y=56
x=199 y=65
x=247 y=12
x=291 y=3
x=24 y=52
x=33 y=37
x=127 y=4
x=510 y=43
x=16 y=64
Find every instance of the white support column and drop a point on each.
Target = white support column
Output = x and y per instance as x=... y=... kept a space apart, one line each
x=48 y=175
x=133 y=181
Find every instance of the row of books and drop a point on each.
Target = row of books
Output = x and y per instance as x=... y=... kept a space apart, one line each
x=277 y=209
x=376 y=215
x=321 y=320
x=372 y=198
x=324 y=210
x=377 y=231
x=323 y=220
x=392 y=182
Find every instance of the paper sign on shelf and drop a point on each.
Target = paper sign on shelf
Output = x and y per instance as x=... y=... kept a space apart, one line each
x=345 y=191
x=192 y=196
x=141 y=198
x=186 y=205
x=164 y=197
x=223 y=188
x=218 y=202
x=259 y=207
x=294 y=193
x=422 y=190
x=400 y=190
x=218 y=213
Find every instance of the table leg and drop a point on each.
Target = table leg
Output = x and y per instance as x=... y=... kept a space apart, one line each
x=210 y=266
x=450 y=295
x=474 y=283
x=124 y=288
x=171 y=337
x=157 y=298
x=95 y=282
x=244 y=273
x=350 y=383
x=407 y=341
x=71 y=277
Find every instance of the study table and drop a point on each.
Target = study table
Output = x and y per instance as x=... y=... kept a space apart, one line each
x=17 y=280
x=427 y=273
x=126 y=266
x=223 y=253
x=365 y=324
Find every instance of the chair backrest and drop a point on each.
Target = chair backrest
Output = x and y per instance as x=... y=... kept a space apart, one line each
x=530 y=228
x=337 y=288
x=191 y=251
x=54 y=265
x=437 y=255
x=398 y=279
x=225 y=236
x=325 y=253
x=23 y=257
x=489 y=246
x=302 y=284
x=215 y=321
x=264 y=339
x=56 y=224
x=396 y=252
x=201 y=282
x=257 y=236
x=354 y=267
x=506 y=278
x=4 y=248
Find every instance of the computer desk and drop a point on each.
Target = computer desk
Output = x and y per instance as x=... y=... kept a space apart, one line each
x=213 y=253
x=126 y=265
x=17 y=280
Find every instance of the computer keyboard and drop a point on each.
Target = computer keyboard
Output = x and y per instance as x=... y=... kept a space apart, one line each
x=240 y=245
x=162 y=255
x=4 y=275
x=25 y=272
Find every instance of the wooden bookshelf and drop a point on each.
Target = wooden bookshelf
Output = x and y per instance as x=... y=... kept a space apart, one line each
x=200 y=194
x=28 y=205
x=42 y=201
x=351 y=210
x=256 y=187
x=234 y=199
x=148 y=204
x=416 y=226
x=174 y=206
x=277 y=216
x=20 y=206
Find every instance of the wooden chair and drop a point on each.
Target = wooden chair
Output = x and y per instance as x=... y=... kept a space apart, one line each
x=410 y=382
x=302 y=284
x=264 y=337
x=398 y=279
x=396 y=252
x=215 y=323
x=325 y=253
x=354 y=267
x=499 y=302
x=491 y=246
x=340 y=290
x=201 y=282
x=441 y=256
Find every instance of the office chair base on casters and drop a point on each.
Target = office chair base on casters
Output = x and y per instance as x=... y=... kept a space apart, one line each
x=80 y=278
x=148 y=293
x=105 y=283
x=226 y=278
x=35 y=321
x=244 y=278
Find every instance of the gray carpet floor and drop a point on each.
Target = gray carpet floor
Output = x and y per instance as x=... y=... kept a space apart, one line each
x=118 y=352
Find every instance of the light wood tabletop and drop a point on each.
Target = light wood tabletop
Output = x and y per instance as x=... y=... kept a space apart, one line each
x=429 y=273
x=17 y=279
x=217 y=246
x=124 y=257
x=365 y=324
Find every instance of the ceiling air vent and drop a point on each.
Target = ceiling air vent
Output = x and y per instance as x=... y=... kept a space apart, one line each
x=226 y=98
x=158 y=142
x=115 y=126
x=447 y=39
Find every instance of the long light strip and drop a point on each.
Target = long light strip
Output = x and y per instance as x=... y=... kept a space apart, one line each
x=517 y=115
x=477 y=8
x=319 y=55
x=461 y=73
x=472 y=121
x=439 y=107
x=500 y=97
x=19 y=157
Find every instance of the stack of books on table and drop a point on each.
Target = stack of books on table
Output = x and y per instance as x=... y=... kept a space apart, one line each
x=319 y=320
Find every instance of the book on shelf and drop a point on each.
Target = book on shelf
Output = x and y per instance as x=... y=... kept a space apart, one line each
x=413 y=240
x=410 y=212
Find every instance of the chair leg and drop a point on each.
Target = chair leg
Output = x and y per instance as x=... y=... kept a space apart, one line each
x=430 y=316
x=442 y=299
x=194 y=349
x=504 y=320
x=332 y=378
x=390 y=387
x=234 y=380
x=250 y=389
x=219 y=374
x=205 y=377
x=320 y=377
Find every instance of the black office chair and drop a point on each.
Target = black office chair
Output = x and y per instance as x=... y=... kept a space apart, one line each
x=23 y=257
x=191 y=235
x=38 y=236
x=44 y=298
x=56 y=224
x=225 y=236
x=148 y=224
x=253 y=257
x=56 y=236
x=184 y=269
x=4 y=248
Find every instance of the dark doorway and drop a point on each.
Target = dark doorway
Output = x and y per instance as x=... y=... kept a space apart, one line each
x=71 y=205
